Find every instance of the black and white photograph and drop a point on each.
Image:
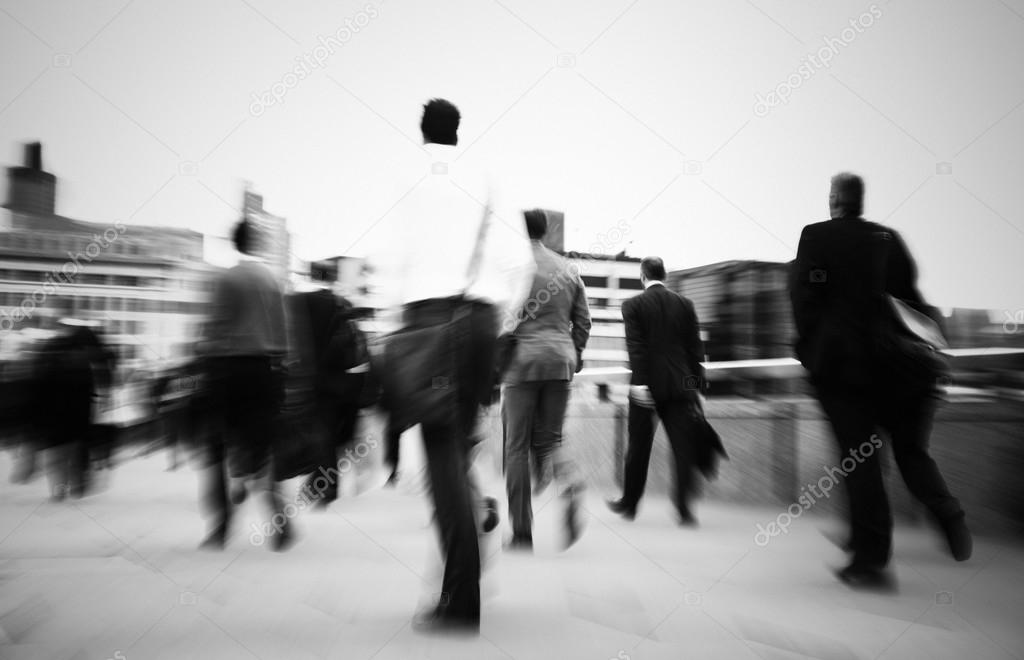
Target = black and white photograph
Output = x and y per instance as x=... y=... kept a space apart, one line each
x=611 y=330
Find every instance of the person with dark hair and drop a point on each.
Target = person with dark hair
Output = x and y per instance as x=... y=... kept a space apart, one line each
x=846 y=272
x=665 y=353
x=244 y=347
x=549 y=338
x=448 y=258
x=440 y=123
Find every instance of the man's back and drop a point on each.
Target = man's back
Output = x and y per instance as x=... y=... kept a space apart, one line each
x=248 y=312
x=838 y=281
x=555 y=322
x=663 y=340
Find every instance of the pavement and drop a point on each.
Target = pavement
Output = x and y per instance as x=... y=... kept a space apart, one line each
x=118 y=576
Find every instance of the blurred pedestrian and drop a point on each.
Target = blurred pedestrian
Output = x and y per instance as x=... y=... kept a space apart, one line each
x=551 y=331
x=665 y=353
x=245 y=344
x=846 y=274
x=448 y=258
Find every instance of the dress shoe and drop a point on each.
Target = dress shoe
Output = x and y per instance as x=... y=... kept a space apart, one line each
x=520 y=542
x=961 y=545
x=573 y=529
x=687 y=519
x=238 y=494
x=213 y=542
x=492 y=518
x=439 y=620
x=392 y=479
x=282 y=540
x=867 y=578
x=623 y=509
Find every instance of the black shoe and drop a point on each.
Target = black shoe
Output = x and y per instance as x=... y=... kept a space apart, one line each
x=868 y=578
x=238 y=494
x=392 y=480
x=520 y=542
x=961 y=545
x=438 y=620
x=214 y=541
x=687 y=519
x=282 y=540
x=491 y=521
x=623 y=509
x=573 y=529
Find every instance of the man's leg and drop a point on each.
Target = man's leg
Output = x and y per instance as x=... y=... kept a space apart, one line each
x=679 y=420
x=909 y=422
x=215 y=486
x=638 y=455
x=853 y=421
x=454 y=510
x=517 y=413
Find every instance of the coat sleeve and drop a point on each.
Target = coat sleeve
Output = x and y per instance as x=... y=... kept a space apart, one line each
x=636 y=342
x=808 y=284
x=694 y=346
x=580 y=318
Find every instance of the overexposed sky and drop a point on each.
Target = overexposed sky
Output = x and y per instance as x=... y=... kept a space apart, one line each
x=638 y=114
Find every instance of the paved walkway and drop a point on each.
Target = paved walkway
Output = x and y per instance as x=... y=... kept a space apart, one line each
x=117 y=576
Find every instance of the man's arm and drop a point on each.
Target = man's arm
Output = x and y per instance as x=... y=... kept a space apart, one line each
x=636 y=341
x=808 y=283
x=580 y=321
x=901 y=280
x=694 y=346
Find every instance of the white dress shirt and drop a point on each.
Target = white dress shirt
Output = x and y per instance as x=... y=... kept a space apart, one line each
x=433 y=230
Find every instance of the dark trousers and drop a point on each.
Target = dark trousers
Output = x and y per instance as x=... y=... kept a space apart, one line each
x=246 y=395
x=335 y=426
x=679 y=418
x=446 y=444
x=855 y=417
x=392 y=441
x=532 y=415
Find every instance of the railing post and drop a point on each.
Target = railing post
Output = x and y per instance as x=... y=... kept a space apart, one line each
x=784 y=460
x=619 y=457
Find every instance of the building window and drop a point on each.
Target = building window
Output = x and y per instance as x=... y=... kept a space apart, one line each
x=594 y=280
x=631 y=283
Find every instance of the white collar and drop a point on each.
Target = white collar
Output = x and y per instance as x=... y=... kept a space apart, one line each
x=651 y=283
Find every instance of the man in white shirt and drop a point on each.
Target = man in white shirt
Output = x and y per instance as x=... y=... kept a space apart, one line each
x=431 y=267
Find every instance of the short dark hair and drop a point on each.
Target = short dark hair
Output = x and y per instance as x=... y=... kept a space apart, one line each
x=244 y=236
x=536 y=223
x=440 y=123
x=849 y=190
x=653 y=268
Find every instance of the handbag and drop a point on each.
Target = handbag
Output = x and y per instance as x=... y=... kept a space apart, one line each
x=417 y=367
x=911 y=346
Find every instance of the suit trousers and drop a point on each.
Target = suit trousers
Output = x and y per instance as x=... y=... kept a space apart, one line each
x=855 y=416
x=446 y=444
x=680 y=419
x=532 y=414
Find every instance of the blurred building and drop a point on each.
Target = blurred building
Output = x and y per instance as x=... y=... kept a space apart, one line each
x=743 y=307
x=145 y=286
x=609 y=280
x=274 y=240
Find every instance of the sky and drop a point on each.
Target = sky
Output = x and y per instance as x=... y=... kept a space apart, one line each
x=657 y=126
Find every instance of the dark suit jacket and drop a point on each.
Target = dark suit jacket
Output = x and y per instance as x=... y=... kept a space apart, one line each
x=663 y=340
x=838 y=282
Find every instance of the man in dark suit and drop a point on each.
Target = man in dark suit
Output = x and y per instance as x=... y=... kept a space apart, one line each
x=549 y=337
x=844 y=269
x=665 y=353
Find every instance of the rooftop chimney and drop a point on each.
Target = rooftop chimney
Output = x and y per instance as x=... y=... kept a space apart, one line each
x=31 y=190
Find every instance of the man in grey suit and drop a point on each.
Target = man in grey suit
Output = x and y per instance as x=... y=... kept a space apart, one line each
x=549 y=336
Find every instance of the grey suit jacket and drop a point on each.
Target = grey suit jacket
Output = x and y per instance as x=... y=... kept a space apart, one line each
x=555 y=322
